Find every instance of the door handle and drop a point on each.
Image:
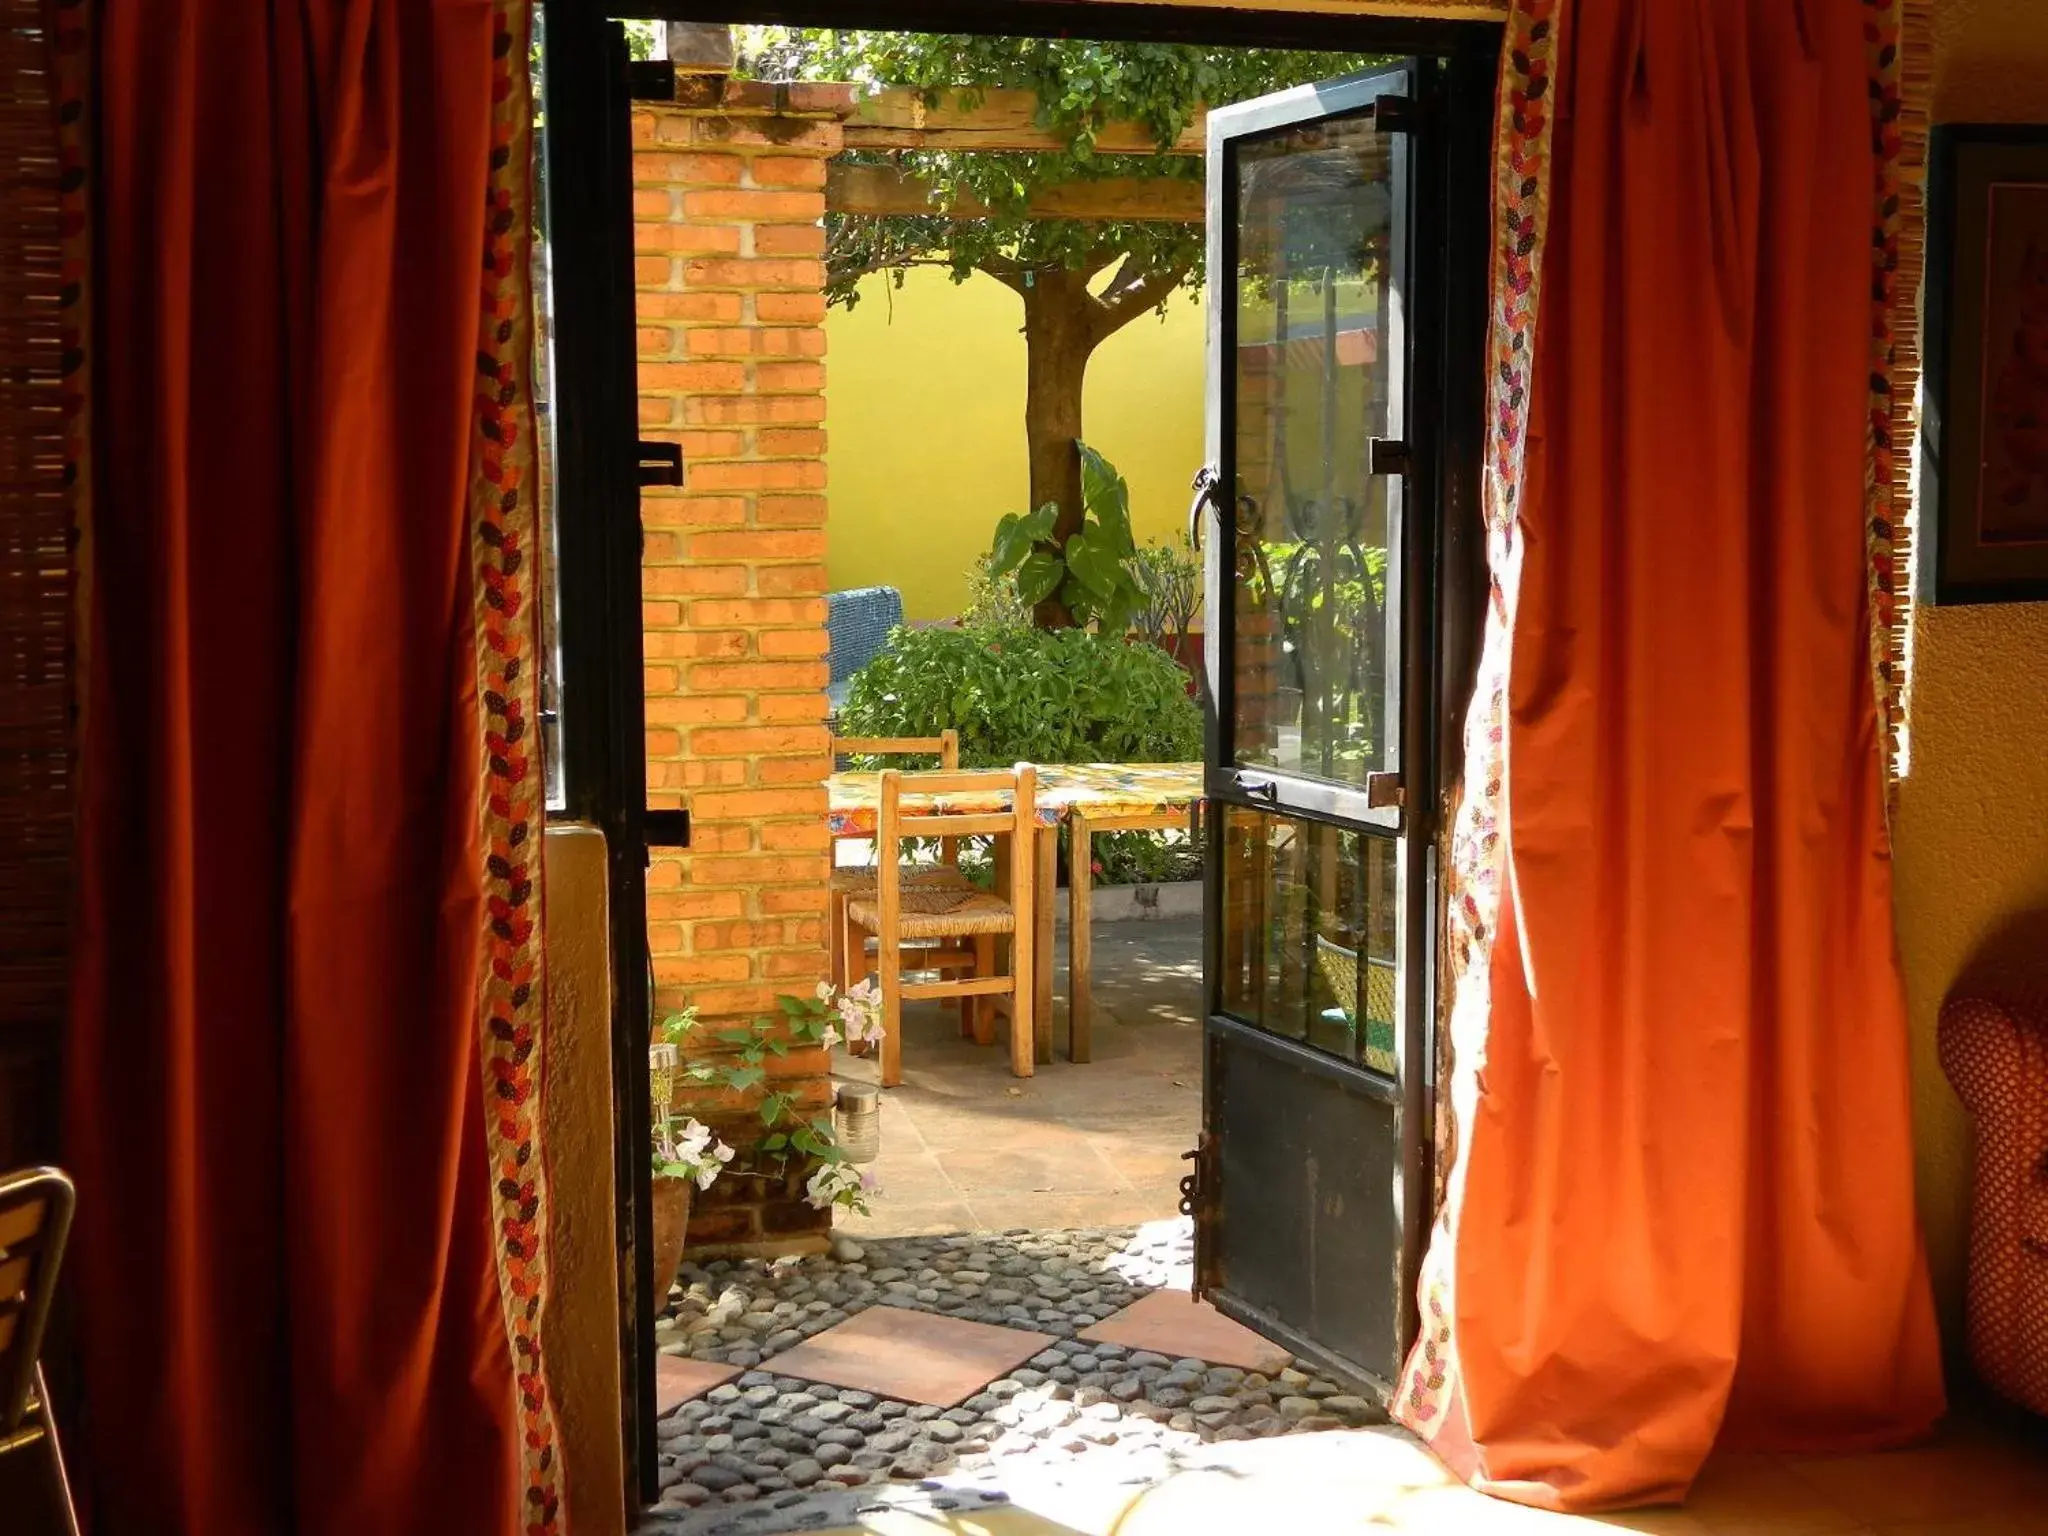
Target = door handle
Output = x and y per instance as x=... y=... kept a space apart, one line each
x=1388 y=456
x=1258 y=788
x=660 y=463
x=1206 y=480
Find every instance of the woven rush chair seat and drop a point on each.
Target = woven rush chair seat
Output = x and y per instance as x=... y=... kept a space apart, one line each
x=946 y=926
x=862 y=882
x=937 y=913
x=845 y=883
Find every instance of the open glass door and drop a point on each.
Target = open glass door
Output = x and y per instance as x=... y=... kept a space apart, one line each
x=1312 y=1185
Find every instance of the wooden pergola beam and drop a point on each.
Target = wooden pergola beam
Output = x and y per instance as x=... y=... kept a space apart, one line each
x=897 y=118
x=885 y=191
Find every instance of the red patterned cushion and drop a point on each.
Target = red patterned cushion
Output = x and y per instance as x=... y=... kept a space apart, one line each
x=1996 y=1054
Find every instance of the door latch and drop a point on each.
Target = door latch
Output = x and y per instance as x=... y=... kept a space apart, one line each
x=660 y=463
x=1198 y=1203
x=1393 y=114
x=1384 y=791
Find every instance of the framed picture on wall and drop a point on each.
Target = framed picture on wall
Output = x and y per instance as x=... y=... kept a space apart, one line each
x=1984 y=424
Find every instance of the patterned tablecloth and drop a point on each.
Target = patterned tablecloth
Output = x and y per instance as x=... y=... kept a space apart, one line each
x=1098 y=788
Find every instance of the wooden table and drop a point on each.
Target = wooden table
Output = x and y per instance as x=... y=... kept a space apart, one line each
x=1093 y=797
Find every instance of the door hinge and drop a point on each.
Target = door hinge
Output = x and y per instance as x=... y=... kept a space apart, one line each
x=667 y=829
x=1198 y=1202
x=1384 y=791
x=1388 y=456
x=660 y=463
x=1393 y=114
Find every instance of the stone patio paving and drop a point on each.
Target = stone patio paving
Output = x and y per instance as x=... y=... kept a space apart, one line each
x=966 y=1147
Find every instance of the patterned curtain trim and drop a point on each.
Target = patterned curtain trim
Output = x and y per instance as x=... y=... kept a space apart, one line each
x=1901 y=93
x=1478 y=860
x=502 y=521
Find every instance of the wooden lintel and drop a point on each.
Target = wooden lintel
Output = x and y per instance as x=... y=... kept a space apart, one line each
x=897 y=118
x=884 y=191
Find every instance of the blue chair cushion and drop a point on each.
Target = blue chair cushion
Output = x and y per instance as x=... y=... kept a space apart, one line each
x=857 y=624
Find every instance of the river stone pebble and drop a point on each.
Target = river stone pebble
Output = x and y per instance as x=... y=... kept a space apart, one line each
x=773 y=1443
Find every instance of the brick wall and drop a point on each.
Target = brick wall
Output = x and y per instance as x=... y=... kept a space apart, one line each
x=728 y=203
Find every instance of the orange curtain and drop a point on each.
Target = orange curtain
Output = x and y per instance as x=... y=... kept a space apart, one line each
x=299 y=1246
x=1683 y=1207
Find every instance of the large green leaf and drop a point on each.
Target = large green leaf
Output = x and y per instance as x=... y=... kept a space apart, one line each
x=1094 y=562
x=1040 y=576
x=1107 y=498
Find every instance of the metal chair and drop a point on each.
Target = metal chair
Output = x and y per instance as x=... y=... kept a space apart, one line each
x=35 y=1220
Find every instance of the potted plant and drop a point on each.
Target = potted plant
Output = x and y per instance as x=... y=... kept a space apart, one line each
x=688 y=1156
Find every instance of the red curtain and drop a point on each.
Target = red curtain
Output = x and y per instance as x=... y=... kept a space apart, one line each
x=1684 y=1210
x=288 y=1249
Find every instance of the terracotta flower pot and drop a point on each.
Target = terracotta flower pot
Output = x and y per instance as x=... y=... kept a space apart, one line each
x=671 y=1225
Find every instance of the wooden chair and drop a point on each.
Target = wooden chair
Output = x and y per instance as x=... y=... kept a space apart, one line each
x=35 y=1219
x=900 y=915
x=848 y=882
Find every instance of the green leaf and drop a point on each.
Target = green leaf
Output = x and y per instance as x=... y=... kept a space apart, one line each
x=740 y=1079
x=1094 y=563
x=774 y=1143
x=1040 y=576
x=1013 y=543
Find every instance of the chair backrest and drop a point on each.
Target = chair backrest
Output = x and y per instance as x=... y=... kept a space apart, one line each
x=857 y=625
x=945 y=747
x=1000 y=802
x=35 y=1219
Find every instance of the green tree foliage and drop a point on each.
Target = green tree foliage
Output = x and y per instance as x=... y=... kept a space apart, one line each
x=1079 y=281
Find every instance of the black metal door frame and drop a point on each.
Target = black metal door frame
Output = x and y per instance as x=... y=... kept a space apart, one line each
x=594 y=420
x=1439 y=183
x=597 y=560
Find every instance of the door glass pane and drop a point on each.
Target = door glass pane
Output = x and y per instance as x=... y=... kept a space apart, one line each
x=1308 y=933
x=1310 y=374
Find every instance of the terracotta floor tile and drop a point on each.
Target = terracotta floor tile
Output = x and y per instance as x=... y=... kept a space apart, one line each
x=1939 y=1482
x=915 y=1356
x=1068 y=1166
x=1049 y=1212
x=677 y=1380
x=1174 y=1323
x=901 y=1218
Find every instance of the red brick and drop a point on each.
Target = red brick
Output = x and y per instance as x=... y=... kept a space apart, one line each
x=802 y=901
x=660 y=680
x=789 y=240
x=691 y=708
x=763 y=135
x=688 y=239
x=821 y=96
x=684 y=905
x=760 y=475
x=707 y=968
x=791 y=511
x=754 y=206
x=694 y=511
x=644 y=128
x=653 y=271
x=789 y=308
x=790 y=580
x=755 y=803
x=655 y=340
x=757 y=546
x=717 y=307
x=804 y=276
x=656 y=410
x=759 y=869
x=784 y=643
x=687 y=170
x=741 y=740
x=790 y=378
x=725 y=378
x=652 y=202
x=770 y=707
x=663 y=743
x=712 y=445
x=796 y=836
x=792 y=770
x=703 y=581
x=790 y=442
x=758 y=612
x=787 y=171
x=727 y=644
x=713 y=773
x=749 y=410
x=660 y=615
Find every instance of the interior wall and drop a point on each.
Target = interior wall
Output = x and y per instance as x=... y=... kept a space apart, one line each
x=1971 y=834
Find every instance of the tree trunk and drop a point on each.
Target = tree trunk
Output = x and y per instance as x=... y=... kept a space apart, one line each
x=1059 y=333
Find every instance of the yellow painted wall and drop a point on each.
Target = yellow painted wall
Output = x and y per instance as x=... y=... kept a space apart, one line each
x=924 y=401
x=1972 y=831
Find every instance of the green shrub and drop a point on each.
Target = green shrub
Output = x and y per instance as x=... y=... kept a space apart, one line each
x=1038 y=696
